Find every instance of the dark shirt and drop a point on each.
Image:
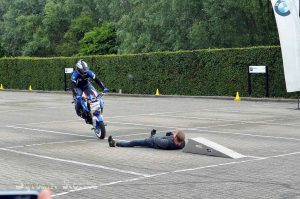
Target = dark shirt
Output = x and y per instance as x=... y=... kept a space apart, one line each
x=167 y=142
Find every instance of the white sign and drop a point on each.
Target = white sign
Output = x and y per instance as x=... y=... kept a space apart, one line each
x=288 y=25
x=257 y=69
x=69 y=70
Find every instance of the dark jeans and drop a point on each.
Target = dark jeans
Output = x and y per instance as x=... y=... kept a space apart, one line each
x=148 y=142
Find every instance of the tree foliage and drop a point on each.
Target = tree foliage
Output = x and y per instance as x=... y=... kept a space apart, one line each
x=100 y=41
x=56 y=27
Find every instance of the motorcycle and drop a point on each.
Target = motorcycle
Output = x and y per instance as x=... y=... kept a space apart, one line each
x=91 y=111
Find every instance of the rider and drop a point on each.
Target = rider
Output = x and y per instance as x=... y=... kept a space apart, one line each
x=80 y=83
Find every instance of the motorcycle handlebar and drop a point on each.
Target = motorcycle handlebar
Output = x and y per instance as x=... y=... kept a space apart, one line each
x=101 y=94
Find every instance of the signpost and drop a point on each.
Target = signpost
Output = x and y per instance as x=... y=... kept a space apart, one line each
x=67 y=71
x=258 y=70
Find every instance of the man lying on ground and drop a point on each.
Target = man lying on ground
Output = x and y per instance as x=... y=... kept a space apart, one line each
x=171 y=141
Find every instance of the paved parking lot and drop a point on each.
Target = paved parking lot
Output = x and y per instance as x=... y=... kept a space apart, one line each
x=44 y=144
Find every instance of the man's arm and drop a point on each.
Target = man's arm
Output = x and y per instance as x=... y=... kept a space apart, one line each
x=74 y=83
x=73 y=86
x=97 y=80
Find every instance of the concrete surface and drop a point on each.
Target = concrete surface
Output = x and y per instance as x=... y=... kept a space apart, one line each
x=43 y=144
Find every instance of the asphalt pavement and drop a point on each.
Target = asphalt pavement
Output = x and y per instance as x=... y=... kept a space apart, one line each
x=43 y=144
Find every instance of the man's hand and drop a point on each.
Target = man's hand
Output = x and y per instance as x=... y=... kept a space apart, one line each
x=105 y=90
x=45 y=194
x=169 y=133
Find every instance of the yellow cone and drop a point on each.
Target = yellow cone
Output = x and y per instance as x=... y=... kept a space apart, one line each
x=237 y=97
x=1 y=87
x=30 y=88
x=157 y=92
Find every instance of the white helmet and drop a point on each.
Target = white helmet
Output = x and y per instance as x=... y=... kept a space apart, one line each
x=82 y=67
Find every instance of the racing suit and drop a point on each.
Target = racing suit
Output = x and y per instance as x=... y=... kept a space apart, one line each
x=80 y=83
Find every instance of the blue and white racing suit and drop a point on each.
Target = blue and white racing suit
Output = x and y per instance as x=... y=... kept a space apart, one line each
x=80 y=83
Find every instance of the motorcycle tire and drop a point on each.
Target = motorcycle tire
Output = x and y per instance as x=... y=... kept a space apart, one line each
x=100 y=130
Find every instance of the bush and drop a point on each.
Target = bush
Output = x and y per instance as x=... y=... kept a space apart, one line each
x=217 y=72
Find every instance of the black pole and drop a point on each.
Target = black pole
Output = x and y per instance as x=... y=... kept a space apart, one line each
x=249 y=83
x=65 y=75
x=298 y=100
x=298 y=92
x=267 y=81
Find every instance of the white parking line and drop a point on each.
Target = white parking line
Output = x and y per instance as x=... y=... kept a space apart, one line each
x=203 y=129
x=46 y=143
x=247 y=134
x=146 y=125
x=109 y=184
x=176 y=171
x=200 y=129
x=237 y=162
x=97 y=187
x=256 y=157
x=48 y=131
x=120 y=136
x=64 y=142
x=77 y=163
x=109 y=117
x=48 y=122
x=265 y=122
x=29 y=109
x=74 y=190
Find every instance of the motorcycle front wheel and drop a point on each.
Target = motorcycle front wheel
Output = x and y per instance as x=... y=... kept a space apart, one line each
x=100 y=130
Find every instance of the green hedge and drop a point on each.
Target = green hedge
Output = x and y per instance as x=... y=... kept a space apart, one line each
x=218 y=72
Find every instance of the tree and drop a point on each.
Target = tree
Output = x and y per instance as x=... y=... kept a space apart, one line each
x=18 y=21
x=237 y=23
x=39 y=45
x=101 y=40
x=158 y=25
x=55 y=23
x=11 y=35
x=75 y=33
x=55 y=27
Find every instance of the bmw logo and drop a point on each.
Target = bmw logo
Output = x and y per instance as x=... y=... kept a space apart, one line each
x=282 y=8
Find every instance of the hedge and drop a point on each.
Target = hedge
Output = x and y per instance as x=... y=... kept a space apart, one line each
x=209 y=72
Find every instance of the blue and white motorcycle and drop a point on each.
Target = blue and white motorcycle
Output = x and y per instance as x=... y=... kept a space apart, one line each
x=92 y=110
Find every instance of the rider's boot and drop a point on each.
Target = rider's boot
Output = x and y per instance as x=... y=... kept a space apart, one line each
x=79 y=113
x=88 y=119
x=153 y=132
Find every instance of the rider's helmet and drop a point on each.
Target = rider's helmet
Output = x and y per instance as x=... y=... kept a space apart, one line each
x=82 y=67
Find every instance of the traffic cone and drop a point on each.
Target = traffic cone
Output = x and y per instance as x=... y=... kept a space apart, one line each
x=30 y=89
x=237 y=97
x=157 y=92
x=1 y=87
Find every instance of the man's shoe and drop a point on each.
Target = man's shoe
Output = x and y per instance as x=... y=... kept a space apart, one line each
x=111 y=141
x=153 y=132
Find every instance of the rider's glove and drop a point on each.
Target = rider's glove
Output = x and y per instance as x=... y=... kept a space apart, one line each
x=105 y=90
